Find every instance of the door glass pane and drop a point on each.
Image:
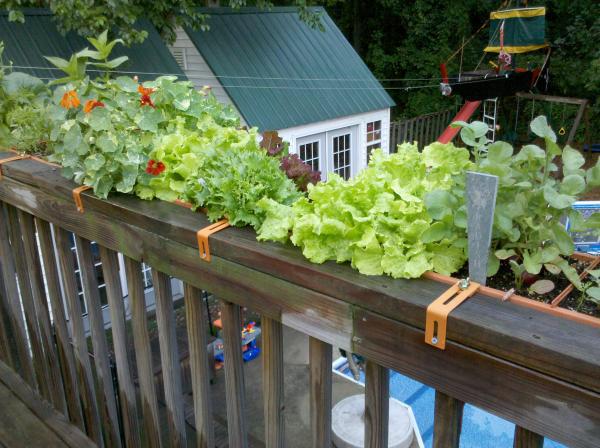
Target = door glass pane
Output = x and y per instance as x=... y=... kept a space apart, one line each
x=309 y=153
x=341 y=155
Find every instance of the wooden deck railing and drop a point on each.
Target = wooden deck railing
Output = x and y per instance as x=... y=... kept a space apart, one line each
x=424 y=129
x=536 y=370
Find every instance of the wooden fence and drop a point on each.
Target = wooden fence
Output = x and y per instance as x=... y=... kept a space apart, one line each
x=533 y=369
x=424 y=129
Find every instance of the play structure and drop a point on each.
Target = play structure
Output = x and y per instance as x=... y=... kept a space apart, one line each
x=512 y=32
x=249 y=334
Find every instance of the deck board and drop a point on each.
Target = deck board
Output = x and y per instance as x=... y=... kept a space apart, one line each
x=28 y=421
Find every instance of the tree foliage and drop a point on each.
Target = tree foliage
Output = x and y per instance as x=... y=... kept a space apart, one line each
x=410 y=38
x=91 y=17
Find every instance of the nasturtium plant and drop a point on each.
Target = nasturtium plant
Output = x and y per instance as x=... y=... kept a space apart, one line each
x=396 y=217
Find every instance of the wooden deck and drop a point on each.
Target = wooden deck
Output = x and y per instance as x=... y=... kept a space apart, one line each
x=27 y=421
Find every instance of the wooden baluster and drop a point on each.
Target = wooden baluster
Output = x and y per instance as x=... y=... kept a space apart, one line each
x=65 y=350
x=143 y=354
x=50 y=362
x=114 y=294
x=272 y=347
x=234 y=374
x=106 y=396
x=447 y=422
x=527 y=439
x=169 y=355
x=8 y=352
x=83 y=367
x=42 y=378
x=320 y=359
x=377 y=399
x=199 y=368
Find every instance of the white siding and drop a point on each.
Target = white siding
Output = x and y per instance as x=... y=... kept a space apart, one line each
x=291 y=135
x=197 y=70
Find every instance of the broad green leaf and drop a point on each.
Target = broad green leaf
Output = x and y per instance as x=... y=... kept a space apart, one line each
x=499 y=152
x=440 y=203
x=438 y=231
x=552 y=268
x=549 y=253
x=127 y=84
x=532 y=261
x=148 y=119
x=572 y=159
x=539 y=126
x=542 y=286
x=562 y=239
x=556 y=199
x=569 y=272
x=504 y=254
x=99 y=119
x=530 y=152
x=572 y=184
x=493 y=265
x=107 y=143
x=594 y=293
x=94 y=162
x=593 y=175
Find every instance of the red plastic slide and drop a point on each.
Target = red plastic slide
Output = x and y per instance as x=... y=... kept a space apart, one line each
x=463 y=114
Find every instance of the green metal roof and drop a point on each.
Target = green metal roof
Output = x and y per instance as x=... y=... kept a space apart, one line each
x=281 y=73
x=27 y=44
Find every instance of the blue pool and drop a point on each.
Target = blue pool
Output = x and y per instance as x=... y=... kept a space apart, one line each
x=480 y=429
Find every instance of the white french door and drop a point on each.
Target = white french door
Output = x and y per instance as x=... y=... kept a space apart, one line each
x=331 y=152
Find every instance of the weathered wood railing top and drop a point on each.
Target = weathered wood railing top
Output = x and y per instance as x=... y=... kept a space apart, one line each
x=534 y=369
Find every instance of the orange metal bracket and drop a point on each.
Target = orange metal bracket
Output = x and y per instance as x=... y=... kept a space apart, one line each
x=203 y=235
x=77 y=196
x=438 y=311
x=11 y=159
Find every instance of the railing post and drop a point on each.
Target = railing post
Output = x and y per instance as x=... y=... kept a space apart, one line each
x=320 y=359
x=234 y=375
x=143 y=355
x=272 y=346
x=169 y=355
x=199 y=368
x=63 y=343
x=377 y=402
x=82 y=360
x=447 y=422
x=527 y=439
x=114 y=294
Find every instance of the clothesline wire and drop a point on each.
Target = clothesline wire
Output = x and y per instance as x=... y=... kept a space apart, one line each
x=270 y=78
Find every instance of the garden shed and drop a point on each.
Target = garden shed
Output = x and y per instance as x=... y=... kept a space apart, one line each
x=27 y=43
x=282 y=75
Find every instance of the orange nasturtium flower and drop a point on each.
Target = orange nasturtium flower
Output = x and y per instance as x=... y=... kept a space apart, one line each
x=145 y=99
x=91 y=104
x=70 y=99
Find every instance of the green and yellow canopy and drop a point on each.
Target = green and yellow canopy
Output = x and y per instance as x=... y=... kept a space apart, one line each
x=517 y=30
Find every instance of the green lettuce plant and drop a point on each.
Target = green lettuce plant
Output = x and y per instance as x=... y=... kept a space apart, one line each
x=24 y=125
x=217 y=167
x=396 y=217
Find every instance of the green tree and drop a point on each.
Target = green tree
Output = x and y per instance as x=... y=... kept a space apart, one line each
x=91 y=17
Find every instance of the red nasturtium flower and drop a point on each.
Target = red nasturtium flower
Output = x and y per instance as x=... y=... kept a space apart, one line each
x=91 y=104
x=70 y=99
x=145 y=99
x=154 y=167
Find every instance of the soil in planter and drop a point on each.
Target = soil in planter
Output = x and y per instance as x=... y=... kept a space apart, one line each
x=504 y=280
x=573 y=302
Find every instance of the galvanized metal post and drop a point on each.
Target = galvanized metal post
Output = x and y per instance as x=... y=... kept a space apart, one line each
x=481 y=203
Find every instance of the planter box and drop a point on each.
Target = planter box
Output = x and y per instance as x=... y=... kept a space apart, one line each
x=550 y=308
